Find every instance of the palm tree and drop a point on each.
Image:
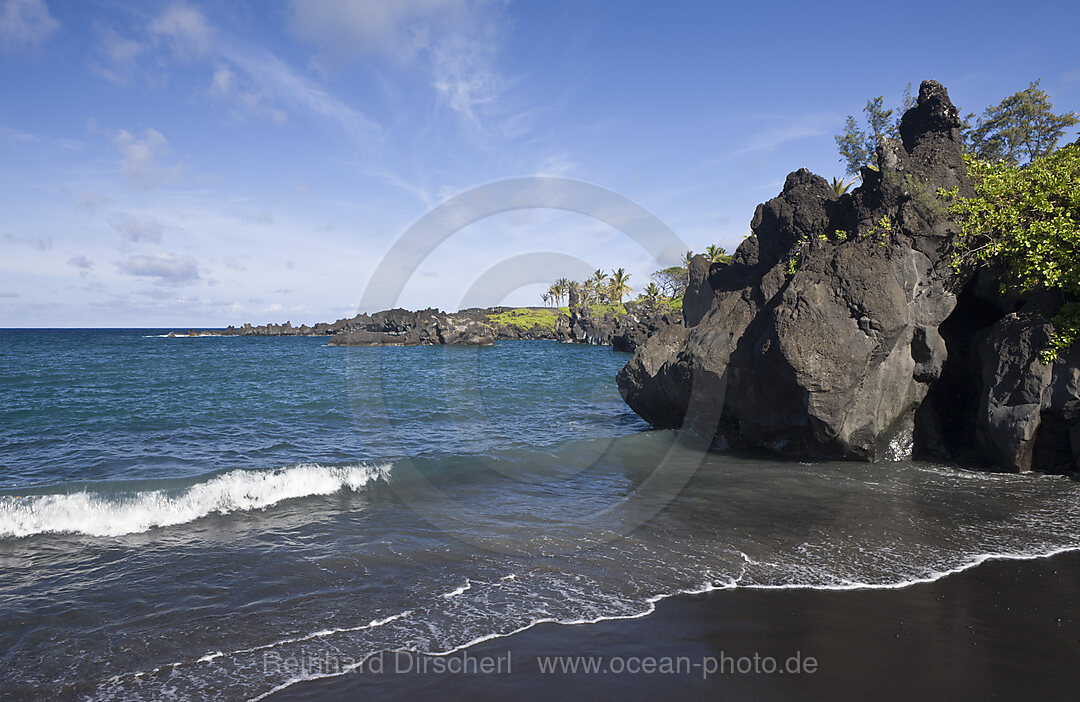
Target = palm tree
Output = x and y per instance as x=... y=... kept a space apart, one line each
x=562 y=287
x=597 y=280
x=619 y=286
x=545 y=297
x=686 y=257
x=839 y=186
x=650 y=294
x=717 y=254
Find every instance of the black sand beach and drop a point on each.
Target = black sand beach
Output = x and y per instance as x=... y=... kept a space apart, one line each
x=1004 y=630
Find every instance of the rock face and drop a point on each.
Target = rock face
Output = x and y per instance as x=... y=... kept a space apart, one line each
x=424 y=328
x=623 y=333
x=840 y=330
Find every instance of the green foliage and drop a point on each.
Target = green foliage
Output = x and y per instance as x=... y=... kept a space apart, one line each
x=858 y=146
x=793 y=263
x=840 y=234
x=650 y=294
x=674 y=304
x=620 y=285
x=599 y=310
x=839 y=186
x=558 y=290
x=1066 y=329
x=717 y=254
x=1027 y=218
x=672 y=280
x=1019 y=129
x=524 y=318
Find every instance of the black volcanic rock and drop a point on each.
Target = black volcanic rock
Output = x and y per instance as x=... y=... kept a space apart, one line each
x=838 y=318
x=699 y=292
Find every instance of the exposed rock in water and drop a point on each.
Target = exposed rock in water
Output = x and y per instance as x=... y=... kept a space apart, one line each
x=836 y=331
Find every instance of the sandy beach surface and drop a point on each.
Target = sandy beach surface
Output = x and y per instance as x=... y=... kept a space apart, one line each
x=1006 y=630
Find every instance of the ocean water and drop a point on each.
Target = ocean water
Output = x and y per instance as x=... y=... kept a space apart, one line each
x=177 y=516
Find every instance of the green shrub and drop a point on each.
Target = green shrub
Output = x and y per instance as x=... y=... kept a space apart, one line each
x=1028 y=218
x=524 y=318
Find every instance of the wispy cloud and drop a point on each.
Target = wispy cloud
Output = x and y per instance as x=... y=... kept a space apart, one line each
x=144 y=158
x=135 y=229
x=790 y=129
x=91 y=201
x=118 y=57
x=21 y=138
x=41 y=242
x=162 y=268
x=185 y=29
x=250 y=82
x=454 y=41
x=270 y=81
x=24 y=24
x=556 y=165
x=82 y=263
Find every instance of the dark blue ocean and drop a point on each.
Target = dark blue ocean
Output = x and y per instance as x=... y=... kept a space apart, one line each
x=178 y=514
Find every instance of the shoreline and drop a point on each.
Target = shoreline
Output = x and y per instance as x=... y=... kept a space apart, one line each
x=1006 y=626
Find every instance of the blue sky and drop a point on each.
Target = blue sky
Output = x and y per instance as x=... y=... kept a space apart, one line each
x=201 y=164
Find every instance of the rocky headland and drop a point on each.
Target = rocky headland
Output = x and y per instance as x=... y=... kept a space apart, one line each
x=842 y=330
x=624 y=329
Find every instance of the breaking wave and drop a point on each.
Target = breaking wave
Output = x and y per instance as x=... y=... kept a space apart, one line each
x=115 y=514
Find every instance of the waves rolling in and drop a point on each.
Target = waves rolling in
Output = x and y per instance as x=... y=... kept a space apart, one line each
x=117 y=513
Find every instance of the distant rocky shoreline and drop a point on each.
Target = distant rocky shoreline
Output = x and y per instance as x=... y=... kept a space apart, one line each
x=624 y=330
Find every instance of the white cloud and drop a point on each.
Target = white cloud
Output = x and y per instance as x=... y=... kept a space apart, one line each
x=41 y=243
x=143 y=158
x=90 y=201
x=186 y=30
x=83 y=263
x=136 y=230
x=223 y=81
x=789 y=129
x=272 y=81
x=1072 y=76
x=345 y=29
x=119 y=57
x=24 y=24
x=248 y=81
x=556 y=165
x=165 y=269
x=454 y=41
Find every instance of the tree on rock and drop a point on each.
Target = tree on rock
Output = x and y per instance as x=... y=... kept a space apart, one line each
x=620 y=285
x=857 y=146
x=1028 y=218
x=1019 y=129
x=717 y=254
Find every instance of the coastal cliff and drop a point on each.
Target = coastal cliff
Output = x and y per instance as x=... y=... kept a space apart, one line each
x=842 y=330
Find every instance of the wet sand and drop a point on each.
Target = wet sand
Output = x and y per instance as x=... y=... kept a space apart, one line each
x=1004 y=630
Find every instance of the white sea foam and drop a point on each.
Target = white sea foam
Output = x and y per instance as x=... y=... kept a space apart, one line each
x=98 y=514
x=458 y=590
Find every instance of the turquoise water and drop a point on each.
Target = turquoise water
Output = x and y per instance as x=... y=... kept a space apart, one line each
x=176 y=514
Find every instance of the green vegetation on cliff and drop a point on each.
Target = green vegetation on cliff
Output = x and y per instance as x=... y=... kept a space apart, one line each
x=525 y=318
x=1028 y=219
